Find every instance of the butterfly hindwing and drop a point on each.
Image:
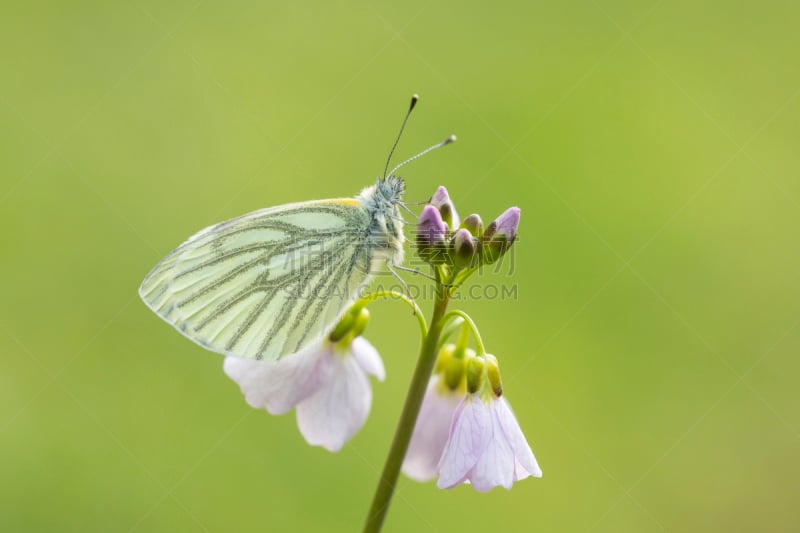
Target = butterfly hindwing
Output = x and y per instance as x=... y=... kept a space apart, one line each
x=265 y=284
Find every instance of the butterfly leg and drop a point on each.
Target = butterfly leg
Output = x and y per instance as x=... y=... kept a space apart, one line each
x=412 y=270
x=406 y=288
x=409 y=211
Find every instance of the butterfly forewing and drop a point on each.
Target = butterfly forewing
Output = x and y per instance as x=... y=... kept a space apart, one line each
x=267 y=283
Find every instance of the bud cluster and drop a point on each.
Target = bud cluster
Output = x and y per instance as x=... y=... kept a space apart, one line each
x=443 y=240
x=461 y=369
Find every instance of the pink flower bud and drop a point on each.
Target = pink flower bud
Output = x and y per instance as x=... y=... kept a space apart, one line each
x=441 y=201
x=431 y=232
x=500 y=235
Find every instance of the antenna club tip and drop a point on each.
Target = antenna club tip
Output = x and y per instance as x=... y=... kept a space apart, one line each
x=414 y=99
x=449 y=140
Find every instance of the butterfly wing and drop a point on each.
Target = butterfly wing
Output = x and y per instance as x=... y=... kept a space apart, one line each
x=265 y=284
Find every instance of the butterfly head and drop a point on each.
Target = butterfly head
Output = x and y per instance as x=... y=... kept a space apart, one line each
x=391 y=188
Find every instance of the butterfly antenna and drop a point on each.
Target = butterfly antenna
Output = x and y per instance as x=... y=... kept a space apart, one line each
x=414 y=99
x=445 y=142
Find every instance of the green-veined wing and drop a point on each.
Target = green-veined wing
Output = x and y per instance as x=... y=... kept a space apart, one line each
x=265 y=284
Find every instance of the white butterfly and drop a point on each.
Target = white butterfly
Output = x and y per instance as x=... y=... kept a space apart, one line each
x=267 y=283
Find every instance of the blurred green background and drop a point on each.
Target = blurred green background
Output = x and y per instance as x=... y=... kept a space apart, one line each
x=652 y=354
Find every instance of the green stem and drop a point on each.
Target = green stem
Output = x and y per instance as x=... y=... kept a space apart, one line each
x=450 y=327
x=478 y=340
x=408 y=418
x=371 y=297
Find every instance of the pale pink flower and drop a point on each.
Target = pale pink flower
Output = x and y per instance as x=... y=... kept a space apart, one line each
x=326 y=382
x=486 y=447
x=431 y=430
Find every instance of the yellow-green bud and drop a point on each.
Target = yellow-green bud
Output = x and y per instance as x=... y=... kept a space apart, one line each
x=493 y=373
x=475 y=374
x=453 y=373
x=361 y=322
x=352 y=324
x=444 y=357
x=344 y=326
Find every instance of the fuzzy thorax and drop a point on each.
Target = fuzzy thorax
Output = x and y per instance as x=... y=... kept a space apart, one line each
x=382 y=202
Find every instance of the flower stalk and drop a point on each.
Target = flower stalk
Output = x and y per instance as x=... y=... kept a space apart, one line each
x=408 y=418
x=453 y=386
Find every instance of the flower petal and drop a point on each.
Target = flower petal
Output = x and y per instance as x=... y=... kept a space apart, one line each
x=526 y=464
x=496 y=466
x=430 y=432
x=368 y=358
x=331 y=416
x=470 y=432
x=278 y=386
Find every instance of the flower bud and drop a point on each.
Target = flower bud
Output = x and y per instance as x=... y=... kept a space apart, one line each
x=500 y=235
x=444 y=357
x=493 y=373
x=475 y=369
x=465 y=248
x=441 y=201
x=360 y=324
x=351 y=325
x=450 y=365
x=474 y=225
x=344 y=326
x=431 y=231
x=454 y=372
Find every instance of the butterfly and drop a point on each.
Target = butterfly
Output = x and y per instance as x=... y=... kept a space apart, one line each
x=266 y=284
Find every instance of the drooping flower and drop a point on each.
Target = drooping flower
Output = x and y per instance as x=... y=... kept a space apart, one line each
x=486 y=447
x=431 y=430
x=326 y=383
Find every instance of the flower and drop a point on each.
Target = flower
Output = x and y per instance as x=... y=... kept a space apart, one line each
x=486 y=446
x=431 y=430
x=326 y=382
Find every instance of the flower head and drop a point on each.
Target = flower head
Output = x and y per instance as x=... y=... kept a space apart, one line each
x=486 y=447
x=326 y=383
x=466 y=432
